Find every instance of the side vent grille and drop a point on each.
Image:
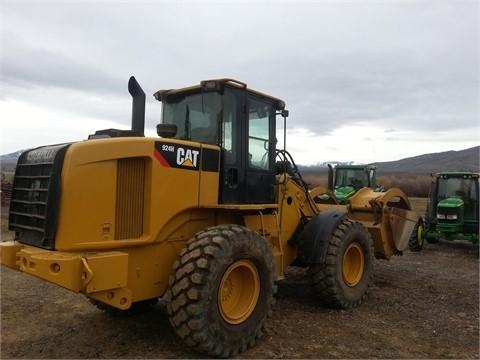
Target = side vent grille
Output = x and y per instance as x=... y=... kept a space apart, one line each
x=130 y=198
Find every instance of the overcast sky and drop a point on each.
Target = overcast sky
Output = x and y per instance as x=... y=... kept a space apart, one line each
x=364 y=81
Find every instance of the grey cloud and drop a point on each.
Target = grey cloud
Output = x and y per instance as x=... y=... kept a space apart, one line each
x=402 y=65
x=27 y=66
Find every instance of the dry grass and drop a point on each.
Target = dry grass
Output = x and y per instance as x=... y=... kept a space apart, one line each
x=419 y=205
x=411 y=184
x=414 y=185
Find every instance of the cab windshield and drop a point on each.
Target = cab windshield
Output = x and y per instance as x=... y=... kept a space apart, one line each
x=196 y=116
x=456 y=188
x=357 y=178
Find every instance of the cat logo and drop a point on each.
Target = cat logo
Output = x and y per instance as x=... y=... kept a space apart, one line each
x=187 y=157
x=180 y=156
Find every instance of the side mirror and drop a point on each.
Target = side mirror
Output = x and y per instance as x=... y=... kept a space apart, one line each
x=166 y=130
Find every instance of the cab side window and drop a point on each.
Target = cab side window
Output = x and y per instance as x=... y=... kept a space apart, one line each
x=229 y=123
x=259 y=114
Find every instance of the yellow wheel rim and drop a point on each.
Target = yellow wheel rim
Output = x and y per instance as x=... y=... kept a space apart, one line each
x=420 y=234
x=239 y=291
x=353 y=264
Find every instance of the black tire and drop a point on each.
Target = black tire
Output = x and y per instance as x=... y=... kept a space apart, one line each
x=417 y=239
x=433 y=239
x=213 y=257
x=136 y=308
x=343 y=280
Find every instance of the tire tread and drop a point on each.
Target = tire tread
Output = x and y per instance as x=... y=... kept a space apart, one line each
x=324 y=276
x=189 y=284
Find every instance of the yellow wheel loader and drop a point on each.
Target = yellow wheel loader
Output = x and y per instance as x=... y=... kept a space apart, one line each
x=209 y=215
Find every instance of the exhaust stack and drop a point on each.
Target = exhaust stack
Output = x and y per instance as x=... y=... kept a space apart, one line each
x=138 y=106
x=330 y=177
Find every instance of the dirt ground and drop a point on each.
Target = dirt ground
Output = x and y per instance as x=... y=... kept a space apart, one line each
x=422 y=305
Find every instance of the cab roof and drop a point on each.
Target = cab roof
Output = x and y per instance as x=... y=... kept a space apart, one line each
x=215 y=85
x=457 y=174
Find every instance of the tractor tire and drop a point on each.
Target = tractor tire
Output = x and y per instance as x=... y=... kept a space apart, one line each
x=433 y=239
x=137 y=308
x=343 y=280
x=417 y=239
x=221 y=290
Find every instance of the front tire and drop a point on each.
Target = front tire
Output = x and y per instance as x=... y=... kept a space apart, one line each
x=221 y=290
x=343 y=280
x=417 y=239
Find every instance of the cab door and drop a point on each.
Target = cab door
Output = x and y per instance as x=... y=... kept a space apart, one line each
x=260 y=155
x=232 y=164
x=248 y=148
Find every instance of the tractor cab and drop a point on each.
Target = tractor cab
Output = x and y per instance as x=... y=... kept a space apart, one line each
x=240 y=121
x=346 y=180
x=453 y=207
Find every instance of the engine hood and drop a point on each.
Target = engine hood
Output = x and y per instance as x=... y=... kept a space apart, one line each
x=450 y=203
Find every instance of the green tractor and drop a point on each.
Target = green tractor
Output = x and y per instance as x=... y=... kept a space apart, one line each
x=452 y=210
x=346 y=180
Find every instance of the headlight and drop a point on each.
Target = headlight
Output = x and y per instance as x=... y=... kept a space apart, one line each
x=440 y=216
x=452 y=217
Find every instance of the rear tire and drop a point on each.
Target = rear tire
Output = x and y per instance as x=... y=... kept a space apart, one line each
x=417 y=239
x=343 y=280
x=221 y=290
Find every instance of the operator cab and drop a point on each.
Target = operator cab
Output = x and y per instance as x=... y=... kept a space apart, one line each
x=240 y=121
x=356 y=176
x=460 y=186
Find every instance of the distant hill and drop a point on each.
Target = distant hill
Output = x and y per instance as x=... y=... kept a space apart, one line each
x=461 y=160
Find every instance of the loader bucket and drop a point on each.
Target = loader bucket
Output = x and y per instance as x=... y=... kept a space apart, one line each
x=401 y=223
x=388 y=217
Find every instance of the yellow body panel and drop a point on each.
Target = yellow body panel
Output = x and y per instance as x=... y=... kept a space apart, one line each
x=90 y=174
x=292 y=203
x=89 y=256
